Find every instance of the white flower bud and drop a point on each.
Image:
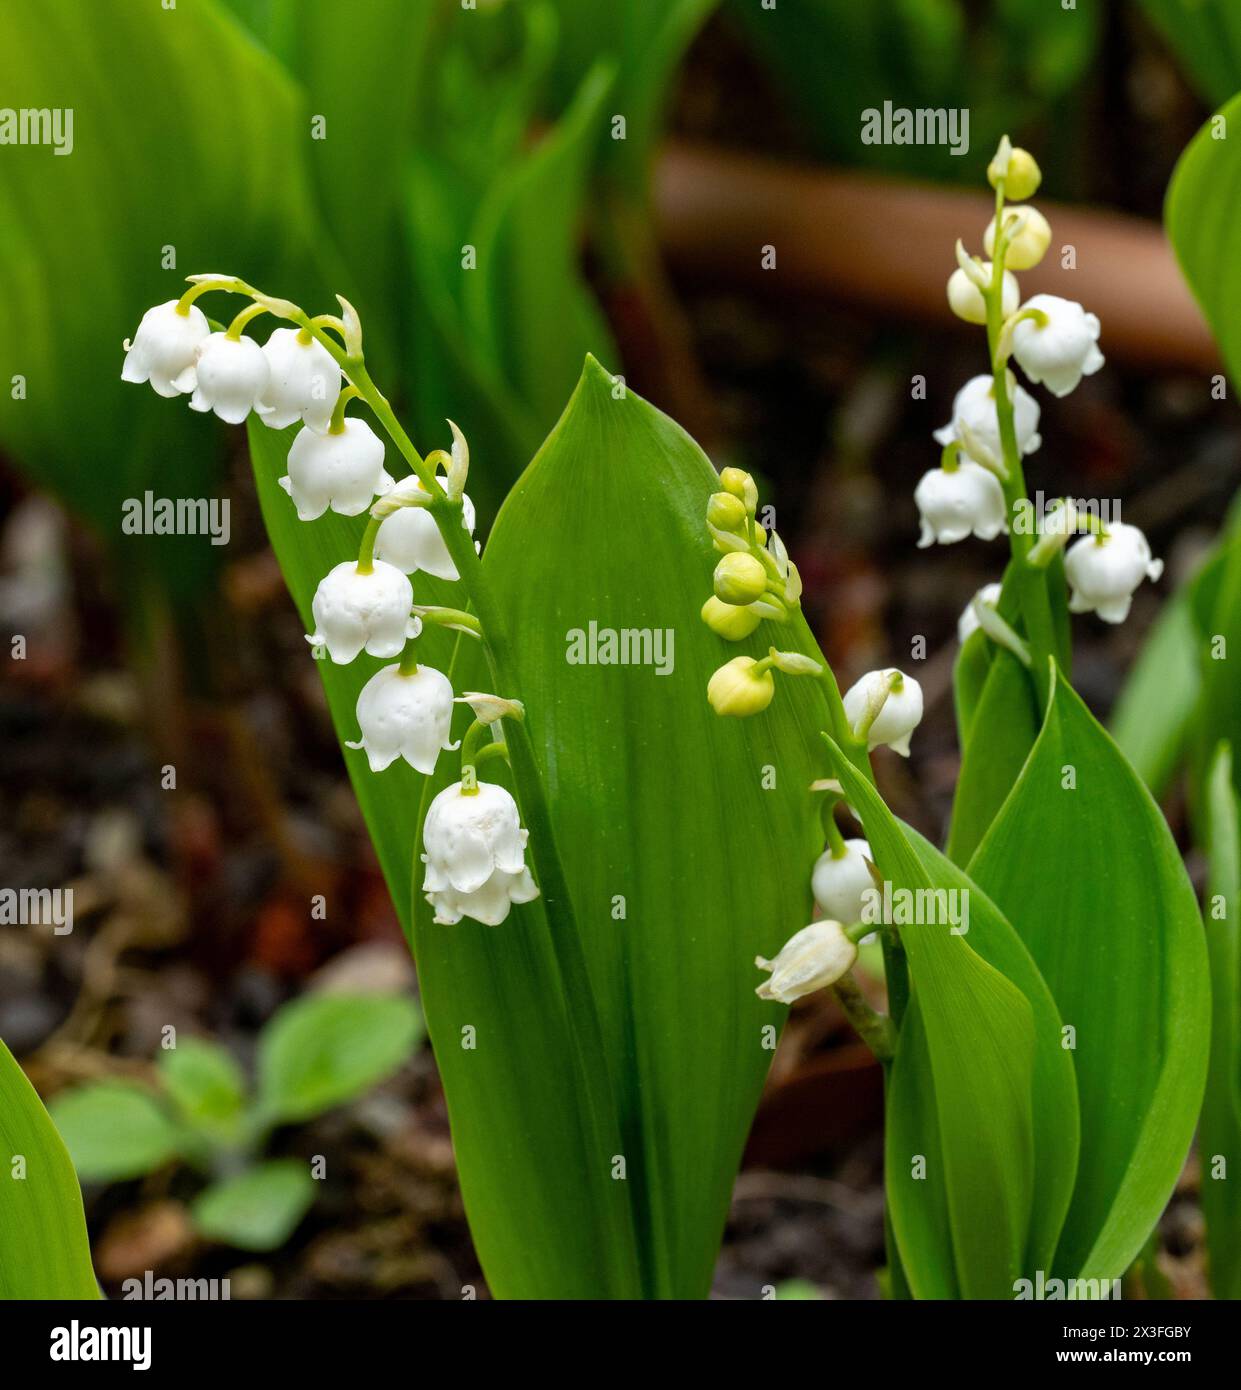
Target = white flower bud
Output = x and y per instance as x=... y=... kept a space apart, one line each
x=405 y=716
x=953 y=504
x=813 y=958
x=474 y=852
x=304 y=382
x=490 y=709
x=899 y=715
x=967 y=623
x=1104 y=571
x=231 y=374
x=355 y=610
x=1061 y=351
x=164 y=348
x=1029 y=242
x=840 y=885
x=966 y=301
x=410 y=538
x=974 y=417
x=342 y=471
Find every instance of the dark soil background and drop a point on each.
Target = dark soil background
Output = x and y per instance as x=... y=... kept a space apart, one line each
x=189 y=909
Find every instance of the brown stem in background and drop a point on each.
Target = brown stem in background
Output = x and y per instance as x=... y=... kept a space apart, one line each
x=886 y=245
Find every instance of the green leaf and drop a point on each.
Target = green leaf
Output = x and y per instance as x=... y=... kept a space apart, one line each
x=44 y=1250
x=1206 y=36
x=217 y=178
x=1109 y=915
x=260 y=1208
x=114 y=1130
x=1002 y=730
x=1199 y=216
x=324 y=1049
x=980 y=1037
x=205 y=1084
x=681 y=868
x=1220 y=1134
x=1151 y=721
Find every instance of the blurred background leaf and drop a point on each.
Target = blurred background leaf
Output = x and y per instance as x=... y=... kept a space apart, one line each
x=115 y=1130
x=1206 y=36
x=258 y=1209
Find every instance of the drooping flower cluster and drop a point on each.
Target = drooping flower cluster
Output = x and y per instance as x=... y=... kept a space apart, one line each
x=474 y=843
x=978 y=486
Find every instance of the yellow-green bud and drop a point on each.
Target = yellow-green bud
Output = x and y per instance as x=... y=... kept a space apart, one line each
x=737 y=690
x=726 y=511
x=1026 y=247
x=1022 y=178
x=742 y=485
x=729 y=620
x=740 y=578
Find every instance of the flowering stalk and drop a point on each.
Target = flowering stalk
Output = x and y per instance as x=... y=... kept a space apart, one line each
x=1032 y=591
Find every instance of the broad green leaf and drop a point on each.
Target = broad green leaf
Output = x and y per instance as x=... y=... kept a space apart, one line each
x=324 y=1049
x=1199 y=215
x=973 y=1037
x=260 y=1208
x=1157 y=702
x=681 y=866
x=205 y=1084
x=205 y=167
x=1219 y=1139
x=1002 y=731
x=1206 y=36
x=114 y=1130
x=1082 y=863
x=44 y=1250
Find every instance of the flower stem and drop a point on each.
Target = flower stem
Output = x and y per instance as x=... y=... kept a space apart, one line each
x=875 y=1029
x=1032 y=591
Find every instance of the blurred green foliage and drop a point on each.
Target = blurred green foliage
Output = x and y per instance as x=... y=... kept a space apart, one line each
x=1009 y=63
x=1206 y=36
x=316 y=1053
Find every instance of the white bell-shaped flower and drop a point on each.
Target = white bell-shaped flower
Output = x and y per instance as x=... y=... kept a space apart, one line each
x=1104 y=571
x=811 y=959
x=164 y=348
x=967 y=623
x=966 y=300
x=1061 y=351
x=899 y=715
x=474 y=849
x=303 y=382
x=343 y=471
x=405 y=716
x=231 y=374
x=958 y=502
x=410 y=539
x=840 y=884
x=974 y=418
x=354 y=609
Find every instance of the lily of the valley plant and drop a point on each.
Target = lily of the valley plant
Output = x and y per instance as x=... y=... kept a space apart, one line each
x=602 y=1049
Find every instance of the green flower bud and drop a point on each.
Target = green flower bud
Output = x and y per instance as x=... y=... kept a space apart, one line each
x=729 y=620
x=726 y=511
x=740 y=578
x=740 y=484
x=737 y=690
x=1021 y=178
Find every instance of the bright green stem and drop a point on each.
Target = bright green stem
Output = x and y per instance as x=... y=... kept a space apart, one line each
x=366 y=551
x=337 y=425
x=251 y=312
x=409 y=660
x=1032 y=591
x=831 y=831
x=875 y=1029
